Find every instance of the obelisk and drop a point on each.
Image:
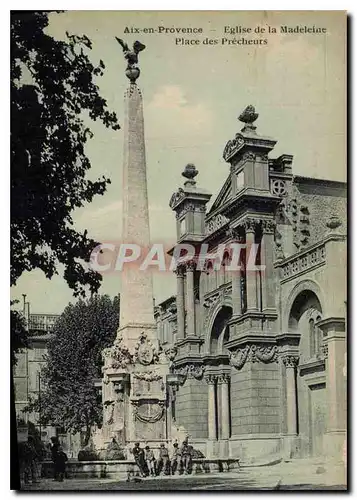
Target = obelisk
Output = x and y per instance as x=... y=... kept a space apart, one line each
x=135 y=368
x=136 y=298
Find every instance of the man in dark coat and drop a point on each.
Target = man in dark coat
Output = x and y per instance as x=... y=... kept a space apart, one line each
x=54 y=450
x=60 y=464
x=139 y=458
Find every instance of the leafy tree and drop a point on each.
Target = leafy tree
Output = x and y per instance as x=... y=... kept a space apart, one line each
x=69 y=398
x=18 y=333
x=48 y=160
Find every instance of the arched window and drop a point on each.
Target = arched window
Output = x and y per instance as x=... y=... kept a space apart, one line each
x=315 y=334
x=318 y=336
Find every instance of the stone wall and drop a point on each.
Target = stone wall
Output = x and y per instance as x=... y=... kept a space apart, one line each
x=255 y=399
x=191 y=408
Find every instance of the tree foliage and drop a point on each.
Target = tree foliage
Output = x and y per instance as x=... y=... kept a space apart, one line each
x=69 y=398
x=48 y=160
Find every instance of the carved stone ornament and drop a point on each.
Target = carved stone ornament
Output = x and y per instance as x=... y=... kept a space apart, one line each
x=211 y=378
x=155 y=414
x=147 y=376
x=190 y=371
x=109 y=412
x=239 y=358
x=249 y=156
x=117 y=356
x=232 y=146
x=216 y=223
x=254 y=353
x=334 y=222
x=171 y=353
x=278 y=187
x=268 y=226
x=250 y=225
x=290 y=361
x=223 y=378
x=176 y=197
x=145 y=352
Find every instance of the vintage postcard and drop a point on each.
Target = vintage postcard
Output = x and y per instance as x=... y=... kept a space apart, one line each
x=178 y=250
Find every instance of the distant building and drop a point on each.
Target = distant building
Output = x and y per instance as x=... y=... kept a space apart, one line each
x=27 y=375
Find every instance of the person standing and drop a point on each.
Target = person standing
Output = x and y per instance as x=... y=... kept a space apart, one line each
x=186 y=455
x=139 y=458
x=150 y=460
x=164 y=462
x=60 y=464
x=54 y=450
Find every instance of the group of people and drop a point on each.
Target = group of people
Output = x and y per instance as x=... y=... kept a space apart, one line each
x=31 y=456
x=180 y=459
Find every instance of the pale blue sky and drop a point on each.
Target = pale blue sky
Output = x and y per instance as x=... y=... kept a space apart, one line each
x=192 y=97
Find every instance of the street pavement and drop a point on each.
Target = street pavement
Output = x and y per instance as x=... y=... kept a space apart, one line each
x=295 y=475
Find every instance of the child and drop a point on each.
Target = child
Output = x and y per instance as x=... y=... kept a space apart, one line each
x=60 y=464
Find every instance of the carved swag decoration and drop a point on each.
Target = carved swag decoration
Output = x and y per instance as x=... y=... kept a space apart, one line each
x=190 y=371
x=254 y=353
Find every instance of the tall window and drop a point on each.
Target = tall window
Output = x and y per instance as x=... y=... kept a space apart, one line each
x=315 y=335
x=312 y=337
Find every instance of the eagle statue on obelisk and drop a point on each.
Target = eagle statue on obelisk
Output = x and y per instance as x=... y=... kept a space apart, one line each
x=132 y=70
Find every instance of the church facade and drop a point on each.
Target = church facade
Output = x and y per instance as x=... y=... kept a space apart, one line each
x=258 y=352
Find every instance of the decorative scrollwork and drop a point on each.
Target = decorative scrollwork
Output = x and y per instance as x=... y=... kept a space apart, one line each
x=176 y=197
x=232 y=146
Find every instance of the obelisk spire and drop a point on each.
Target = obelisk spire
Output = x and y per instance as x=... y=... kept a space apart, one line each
x=136 y=299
